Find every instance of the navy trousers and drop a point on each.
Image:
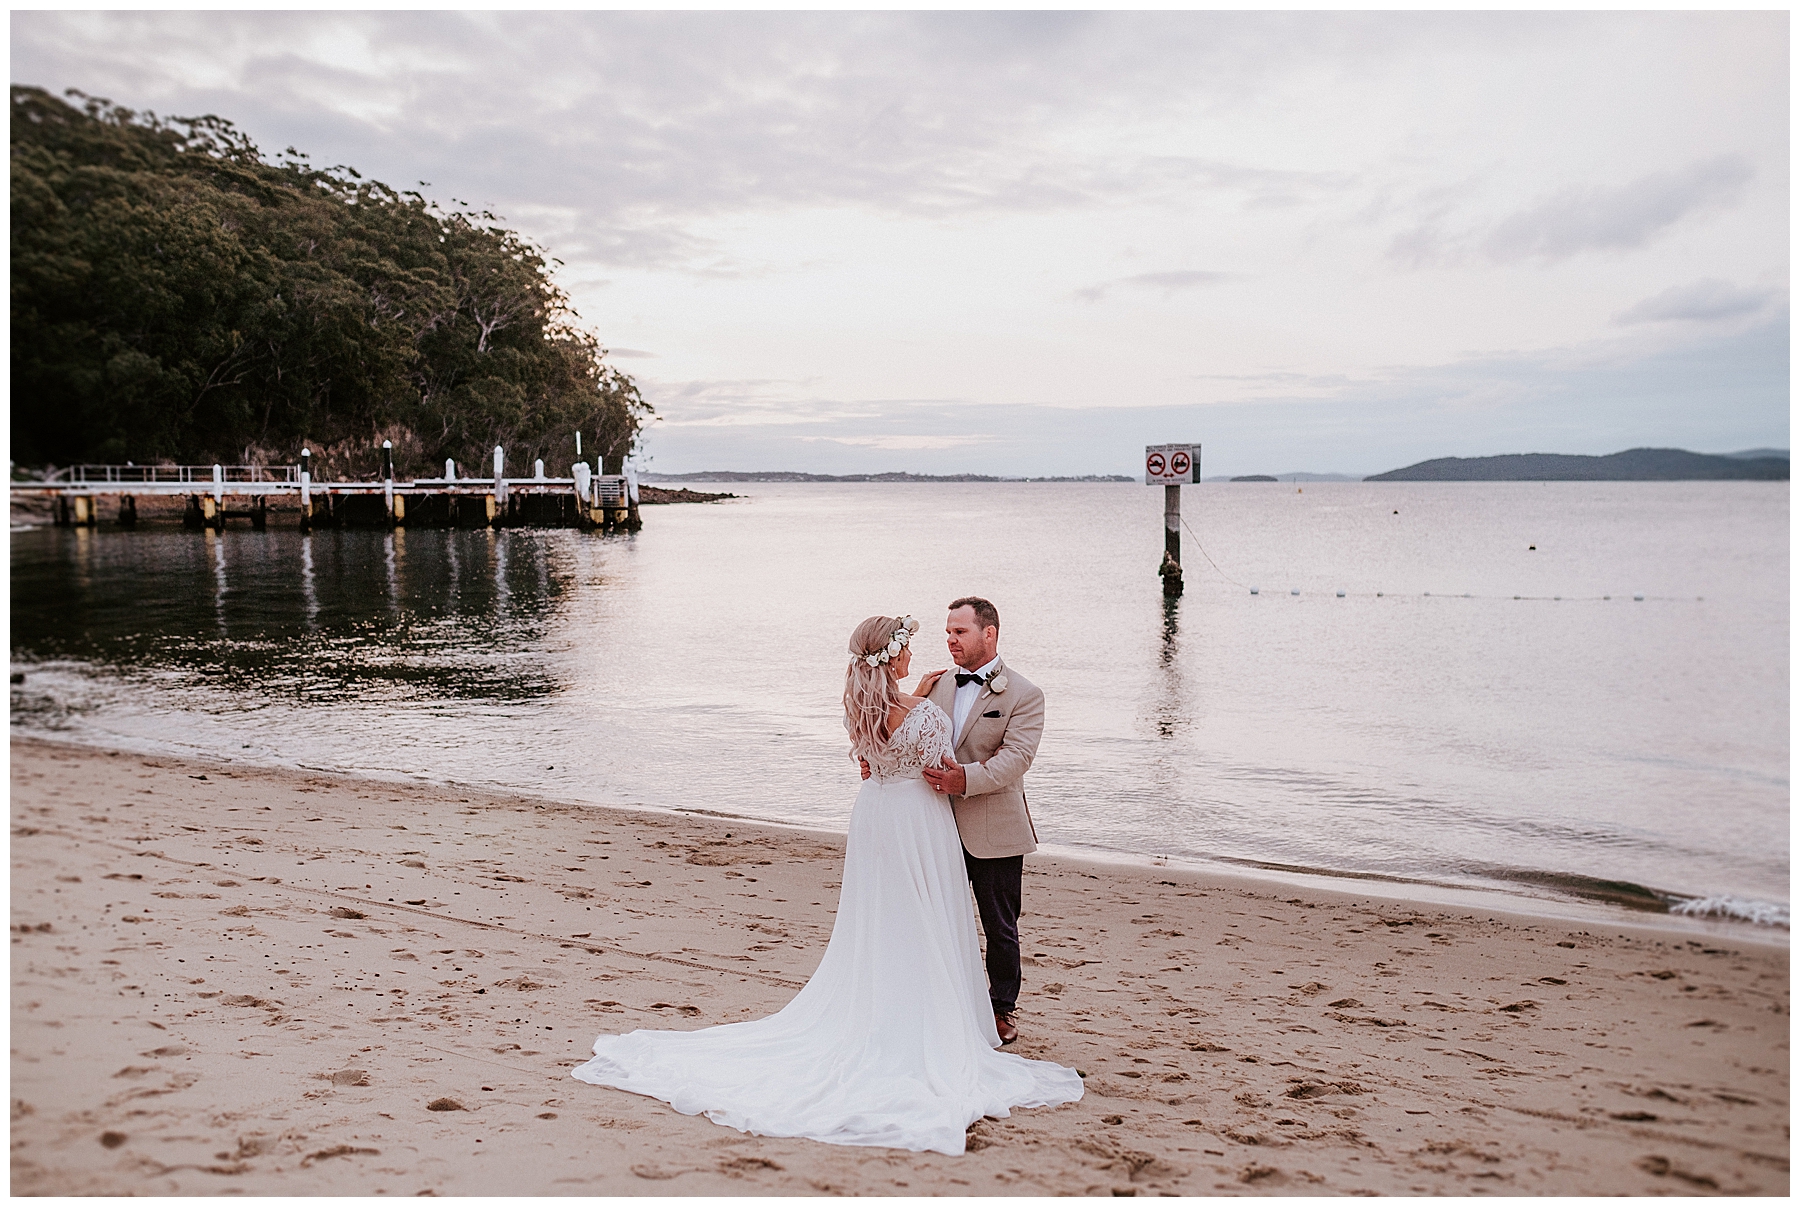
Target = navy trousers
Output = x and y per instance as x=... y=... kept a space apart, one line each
x=999 y=890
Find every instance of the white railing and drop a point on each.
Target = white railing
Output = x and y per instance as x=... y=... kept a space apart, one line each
x=77 y=475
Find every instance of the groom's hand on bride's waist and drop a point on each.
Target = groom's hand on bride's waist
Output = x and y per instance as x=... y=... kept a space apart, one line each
x=950 y=778
x=864 y=764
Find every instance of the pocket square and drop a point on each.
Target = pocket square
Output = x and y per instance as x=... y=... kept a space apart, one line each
x=995 y=713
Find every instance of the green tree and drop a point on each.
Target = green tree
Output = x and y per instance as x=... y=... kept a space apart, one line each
x=176 y=296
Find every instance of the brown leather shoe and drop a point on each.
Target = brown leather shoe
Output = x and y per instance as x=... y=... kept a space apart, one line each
x=1003 y=1023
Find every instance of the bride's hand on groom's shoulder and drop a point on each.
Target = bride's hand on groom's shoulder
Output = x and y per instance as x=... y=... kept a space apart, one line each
x=926 y=683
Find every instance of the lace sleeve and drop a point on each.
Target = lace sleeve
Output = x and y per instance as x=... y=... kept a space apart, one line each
x=923 y=740
x=934 y=736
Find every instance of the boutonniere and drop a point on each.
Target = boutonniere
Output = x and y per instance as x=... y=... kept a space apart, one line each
x=997 y=684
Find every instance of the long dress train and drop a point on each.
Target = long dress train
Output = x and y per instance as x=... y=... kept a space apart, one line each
x=892 y=1041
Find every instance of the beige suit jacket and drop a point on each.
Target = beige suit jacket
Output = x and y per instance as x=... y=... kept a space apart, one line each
x=999 y=740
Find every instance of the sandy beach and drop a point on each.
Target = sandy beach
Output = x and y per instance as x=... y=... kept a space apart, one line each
x=229 y=979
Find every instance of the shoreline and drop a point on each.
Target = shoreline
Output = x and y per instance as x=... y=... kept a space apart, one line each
x=347 y=985
x=1516 y=905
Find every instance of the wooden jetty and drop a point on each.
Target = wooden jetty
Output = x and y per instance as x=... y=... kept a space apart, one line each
x=600 y=502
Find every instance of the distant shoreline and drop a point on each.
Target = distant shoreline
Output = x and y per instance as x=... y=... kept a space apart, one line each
x=726 y=475
x=1631 y=465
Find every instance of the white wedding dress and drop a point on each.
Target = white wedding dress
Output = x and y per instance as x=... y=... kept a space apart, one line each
x=892 y=1041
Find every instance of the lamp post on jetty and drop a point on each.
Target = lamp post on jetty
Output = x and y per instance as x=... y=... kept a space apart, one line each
x=1171 y=466
x=396 y=506
x=306 y=490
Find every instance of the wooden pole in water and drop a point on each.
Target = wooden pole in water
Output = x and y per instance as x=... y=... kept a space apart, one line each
x=218 y=497
x=1172 y=522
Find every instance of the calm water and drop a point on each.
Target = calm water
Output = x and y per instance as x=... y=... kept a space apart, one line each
x=1441 y=732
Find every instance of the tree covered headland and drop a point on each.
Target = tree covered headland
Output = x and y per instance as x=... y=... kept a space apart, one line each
x=177 y=297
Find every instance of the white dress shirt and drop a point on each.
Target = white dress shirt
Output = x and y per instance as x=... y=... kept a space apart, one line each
x=965 y=698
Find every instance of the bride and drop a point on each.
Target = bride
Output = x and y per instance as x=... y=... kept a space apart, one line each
x=892 y=1041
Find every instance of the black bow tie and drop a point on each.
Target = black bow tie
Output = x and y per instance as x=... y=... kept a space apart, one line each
x=963 y=680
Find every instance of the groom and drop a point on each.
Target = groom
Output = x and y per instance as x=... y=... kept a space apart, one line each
x=998 y=718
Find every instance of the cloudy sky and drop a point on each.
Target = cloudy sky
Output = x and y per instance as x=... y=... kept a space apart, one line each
x=1031 y=243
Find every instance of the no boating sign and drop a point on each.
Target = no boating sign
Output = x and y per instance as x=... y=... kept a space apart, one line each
x=1171 y=464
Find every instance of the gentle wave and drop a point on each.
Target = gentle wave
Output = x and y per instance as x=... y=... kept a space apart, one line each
x=1738 y=909
x=1622 y=894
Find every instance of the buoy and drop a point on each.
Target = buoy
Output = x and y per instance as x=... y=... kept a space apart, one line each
x=1378 y=594
x=1639 y=598
x=1254 y=591
x=1427 y=595
x=1558 y=598
x=1295 y=591
x=1606 y=597
x=1396 y=513
x=1340 y=595
x=1531 y=546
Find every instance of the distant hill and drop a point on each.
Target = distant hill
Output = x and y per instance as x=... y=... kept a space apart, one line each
x=1632 y=465
x=728 y=475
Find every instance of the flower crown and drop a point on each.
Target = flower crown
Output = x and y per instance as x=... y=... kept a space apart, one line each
x=900 y=640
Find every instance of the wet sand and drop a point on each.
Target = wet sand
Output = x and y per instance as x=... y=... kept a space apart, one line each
x=238 y=980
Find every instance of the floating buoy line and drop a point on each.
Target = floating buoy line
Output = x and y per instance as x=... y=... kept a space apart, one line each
x=1636 y=597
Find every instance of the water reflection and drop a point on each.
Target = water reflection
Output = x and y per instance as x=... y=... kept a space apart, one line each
x=389 y=546
x=216 y=544
x=308 y=590
x=502 y=597
x=1169 y=707
x=128 y=600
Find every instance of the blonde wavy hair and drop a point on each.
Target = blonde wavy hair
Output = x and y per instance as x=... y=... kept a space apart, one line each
x=869 y=691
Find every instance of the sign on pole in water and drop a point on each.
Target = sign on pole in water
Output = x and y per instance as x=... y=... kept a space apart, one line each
x=1171 y=466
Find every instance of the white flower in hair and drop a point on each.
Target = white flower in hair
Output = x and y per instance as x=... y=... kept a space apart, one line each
x=872 y=660
x=895 y=646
